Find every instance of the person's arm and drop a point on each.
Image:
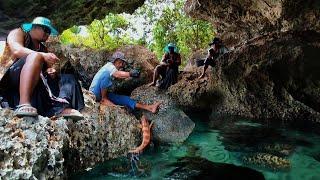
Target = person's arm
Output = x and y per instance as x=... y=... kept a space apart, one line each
x=164 y=60
x=16 y=43
x=121 y=74
x=178 y=62
x=104 y=98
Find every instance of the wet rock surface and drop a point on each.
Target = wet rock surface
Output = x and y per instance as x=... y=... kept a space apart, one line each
x=200 y=168
x=46 y=148
x=170 y=123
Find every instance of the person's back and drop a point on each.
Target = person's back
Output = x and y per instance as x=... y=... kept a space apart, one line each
x=102 y=80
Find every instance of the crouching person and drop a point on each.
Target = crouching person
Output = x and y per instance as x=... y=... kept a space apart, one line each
x=103 y=80
x=26 y=85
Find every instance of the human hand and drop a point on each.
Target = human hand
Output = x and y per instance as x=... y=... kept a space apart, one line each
x=52 y=72
x=134 y=73
x=50 y=58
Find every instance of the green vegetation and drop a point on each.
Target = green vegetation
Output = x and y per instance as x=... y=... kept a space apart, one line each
x=153 y=25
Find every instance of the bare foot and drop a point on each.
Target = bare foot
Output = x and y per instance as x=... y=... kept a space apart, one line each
x=154 y=107
x=152 y=84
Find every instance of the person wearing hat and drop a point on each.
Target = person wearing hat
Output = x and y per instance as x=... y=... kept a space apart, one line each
x=103 y=80
x=215 y=51
x=29 y=90
x=168 y=68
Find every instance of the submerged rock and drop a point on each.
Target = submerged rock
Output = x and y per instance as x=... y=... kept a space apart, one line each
x=200 y=168
x=47 y=148
x=266 y=160
x=170 y=123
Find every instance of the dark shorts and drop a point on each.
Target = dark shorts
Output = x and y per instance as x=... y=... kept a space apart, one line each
x=67 y=87
x=210 y=62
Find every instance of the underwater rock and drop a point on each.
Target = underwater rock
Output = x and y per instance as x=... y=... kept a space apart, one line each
x=265 y=160
x=46 y=148
x=277 y=149
x=200 y=168
x=170 y=123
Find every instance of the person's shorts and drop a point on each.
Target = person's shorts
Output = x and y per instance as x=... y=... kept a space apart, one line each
x=209 y=62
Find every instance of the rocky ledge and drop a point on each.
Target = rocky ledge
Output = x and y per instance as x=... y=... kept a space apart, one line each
x=54 y=148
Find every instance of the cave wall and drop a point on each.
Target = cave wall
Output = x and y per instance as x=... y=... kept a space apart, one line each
x=64 y=13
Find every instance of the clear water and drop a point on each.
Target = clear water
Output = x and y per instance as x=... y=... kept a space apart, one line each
x=225 y=142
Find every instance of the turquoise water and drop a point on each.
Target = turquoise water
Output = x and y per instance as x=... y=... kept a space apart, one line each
x=225 y=142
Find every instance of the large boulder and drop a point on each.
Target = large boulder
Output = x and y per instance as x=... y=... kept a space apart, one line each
x=54 y=148
x=272 y=77
x=170 y=123
x=87 y=62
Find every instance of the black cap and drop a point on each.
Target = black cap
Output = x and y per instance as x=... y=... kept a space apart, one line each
x=215 y=41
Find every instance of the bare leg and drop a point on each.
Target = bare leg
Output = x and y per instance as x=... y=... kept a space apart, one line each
x=152 y=108
x=29 y=76
x=204 y=71
x=155 y=75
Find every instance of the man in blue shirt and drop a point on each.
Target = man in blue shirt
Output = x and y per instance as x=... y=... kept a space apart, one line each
x=103 y=80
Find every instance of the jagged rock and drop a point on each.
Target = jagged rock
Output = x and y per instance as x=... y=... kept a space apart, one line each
x=170 y=123
x=64 y=13
x=45 y=148
x=270 y=77
x=239 y=21
x=87 y=62
x=200 y=168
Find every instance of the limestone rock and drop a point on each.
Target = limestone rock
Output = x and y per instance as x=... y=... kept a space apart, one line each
x=54 y=148
x=87 y=62
x=238 y=21
x=270 y=77
x=170 y=123
x=64 y=13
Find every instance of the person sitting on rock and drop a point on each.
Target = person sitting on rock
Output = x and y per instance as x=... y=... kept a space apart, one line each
x=168 y=68
x=25 y=85
x=216 y=50
x=103 y=80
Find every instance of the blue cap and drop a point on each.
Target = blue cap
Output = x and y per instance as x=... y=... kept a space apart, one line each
x=171 y=45
x=40 y=21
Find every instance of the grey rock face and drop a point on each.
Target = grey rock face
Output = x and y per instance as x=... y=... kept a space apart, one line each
x=87 y=63
x=46 y=148
x=271 y=77
x=170 y=123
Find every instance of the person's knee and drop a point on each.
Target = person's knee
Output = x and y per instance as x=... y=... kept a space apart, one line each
x=35 y=58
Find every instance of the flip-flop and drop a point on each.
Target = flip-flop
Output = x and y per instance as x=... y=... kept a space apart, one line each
x=75 y=115
x=25 y=110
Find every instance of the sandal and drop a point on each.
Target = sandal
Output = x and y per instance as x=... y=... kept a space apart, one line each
x=74 y=114
x=25 y=110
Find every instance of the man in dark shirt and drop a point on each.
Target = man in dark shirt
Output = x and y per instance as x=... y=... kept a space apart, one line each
x=216 y=50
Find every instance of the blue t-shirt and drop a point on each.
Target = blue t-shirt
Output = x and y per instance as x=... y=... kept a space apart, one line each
x=102 y=80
